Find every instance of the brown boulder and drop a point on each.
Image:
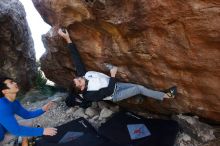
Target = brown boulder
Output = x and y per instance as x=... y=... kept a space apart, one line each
x=154 y=43
x=17 y=55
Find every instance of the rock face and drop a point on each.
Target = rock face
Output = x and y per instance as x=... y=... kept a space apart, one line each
x=154 y=43
x=17 y=55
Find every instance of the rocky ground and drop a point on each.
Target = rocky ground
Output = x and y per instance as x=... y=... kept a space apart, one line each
x=194 y=133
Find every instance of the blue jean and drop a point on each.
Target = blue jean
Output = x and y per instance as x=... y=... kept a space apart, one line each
x=126 y=90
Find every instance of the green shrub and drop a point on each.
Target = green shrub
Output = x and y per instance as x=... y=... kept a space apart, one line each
x=40 y=84
x=40 y=80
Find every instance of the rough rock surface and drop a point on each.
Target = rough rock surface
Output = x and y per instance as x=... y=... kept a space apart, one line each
x=198 y=130
x=155 y=43
x=17 y=55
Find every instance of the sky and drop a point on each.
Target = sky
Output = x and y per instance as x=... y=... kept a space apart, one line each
x=37 y=26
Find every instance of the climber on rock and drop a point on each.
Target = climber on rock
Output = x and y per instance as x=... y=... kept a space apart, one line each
x=95 y=86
